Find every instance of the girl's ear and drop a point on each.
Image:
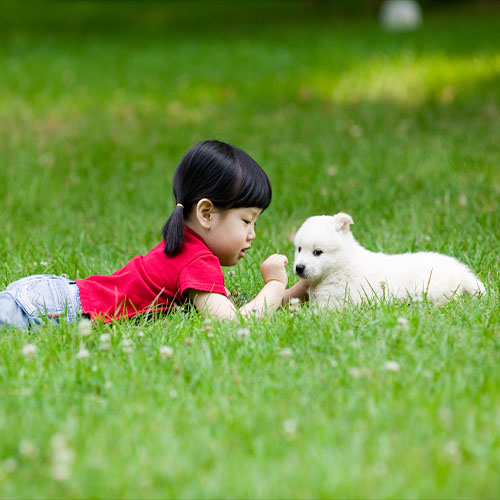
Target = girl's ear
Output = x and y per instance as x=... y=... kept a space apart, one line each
x=205 y=213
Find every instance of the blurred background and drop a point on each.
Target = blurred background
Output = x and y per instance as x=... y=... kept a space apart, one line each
x=386 y=109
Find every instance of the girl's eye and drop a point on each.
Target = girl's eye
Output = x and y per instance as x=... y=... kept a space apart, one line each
x=246 y=221
x=317 y=253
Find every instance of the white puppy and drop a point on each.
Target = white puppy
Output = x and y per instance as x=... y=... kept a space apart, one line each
x=340 y=270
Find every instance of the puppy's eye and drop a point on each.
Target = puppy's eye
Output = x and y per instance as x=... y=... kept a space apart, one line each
x=299 y=249
x=317 y=252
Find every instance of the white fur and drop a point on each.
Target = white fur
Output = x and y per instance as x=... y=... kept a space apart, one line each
x=347 y=272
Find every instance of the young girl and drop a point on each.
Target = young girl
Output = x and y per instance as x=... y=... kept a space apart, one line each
x=220 y=192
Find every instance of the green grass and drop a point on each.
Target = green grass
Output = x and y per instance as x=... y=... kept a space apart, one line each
x=98 y=102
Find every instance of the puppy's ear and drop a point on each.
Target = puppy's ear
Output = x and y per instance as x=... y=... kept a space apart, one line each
x=342 y=222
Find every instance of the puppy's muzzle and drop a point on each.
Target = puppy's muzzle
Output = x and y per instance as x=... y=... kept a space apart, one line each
x=299 y=270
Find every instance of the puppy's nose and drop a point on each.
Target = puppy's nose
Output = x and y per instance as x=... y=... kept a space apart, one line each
x=299 y=269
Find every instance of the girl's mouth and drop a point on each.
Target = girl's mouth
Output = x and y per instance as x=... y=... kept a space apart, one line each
x=242 y=252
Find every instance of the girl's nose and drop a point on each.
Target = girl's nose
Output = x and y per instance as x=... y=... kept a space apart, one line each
x=251 y=234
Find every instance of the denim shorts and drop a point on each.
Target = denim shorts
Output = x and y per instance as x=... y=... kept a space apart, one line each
x=38 y=298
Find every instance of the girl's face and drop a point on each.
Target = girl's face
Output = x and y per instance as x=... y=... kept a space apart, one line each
x=231 y=233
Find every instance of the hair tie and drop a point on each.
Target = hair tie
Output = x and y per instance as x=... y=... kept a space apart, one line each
x=180 y=205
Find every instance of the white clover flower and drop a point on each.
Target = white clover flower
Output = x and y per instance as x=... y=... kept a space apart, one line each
x=286 y=352
x=173 y=393
x=105 y=340
x=294 y=305
x=83 y=353
x=403 y=323
x=207 y=325
x=166 y=352
x=140 y=334
x=332 y=170
x=62 y=457
x=290 y=428
x=243 y=333
x=29 y=350
x=355 y=130
x=59 y=443
x=61 y=472
x=188 y=341
x=127 y=346
x=452 y=450
x=392 y=366
x=85 y=327
x=355 y=372
x=28 y=449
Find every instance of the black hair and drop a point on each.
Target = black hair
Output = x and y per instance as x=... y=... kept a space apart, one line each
x=224 y=174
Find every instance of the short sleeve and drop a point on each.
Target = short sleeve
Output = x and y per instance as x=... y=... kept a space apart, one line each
x=204 y=274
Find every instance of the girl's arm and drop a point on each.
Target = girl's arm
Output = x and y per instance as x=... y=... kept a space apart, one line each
x=298 y=291
x=267 y=300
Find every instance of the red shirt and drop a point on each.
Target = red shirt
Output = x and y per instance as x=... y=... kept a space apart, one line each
x=153 y=282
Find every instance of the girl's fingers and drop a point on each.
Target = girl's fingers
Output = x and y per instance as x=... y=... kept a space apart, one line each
x=277 y=257
x=281 y=256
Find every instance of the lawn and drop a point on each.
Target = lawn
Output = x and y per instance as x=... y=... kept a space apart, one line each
x=98 y=103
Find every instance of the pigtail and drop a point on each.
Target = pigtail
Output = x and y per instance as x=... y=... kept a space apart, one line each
x=173 y=231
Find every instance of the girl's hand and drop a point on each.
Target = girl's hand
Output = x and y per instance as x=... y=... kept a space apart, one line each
x=298 y=291
x=273 y=269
